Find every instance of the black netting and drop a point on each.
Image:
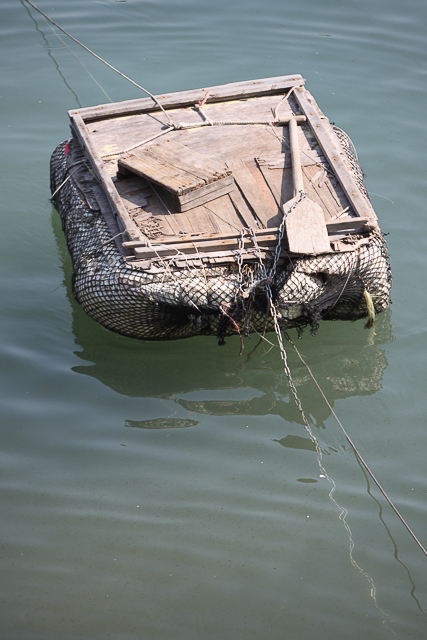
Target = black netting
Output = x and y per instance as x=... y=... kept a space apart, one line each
x=197 y=301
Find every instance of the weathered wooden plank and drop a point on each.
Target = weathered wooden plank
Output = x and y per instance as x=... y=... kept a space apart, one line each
x=279 y=183
x=193 y=247
x=121 y=133
x=224 y=213
x=131 y=185
x=218 y=93
x=174 y=166
x=351 y=225
x=334 y=154
x=109 y=217
x=111 y=192
x=243 y=209
x=331 y=199
x=284 y=160
x=306 y=229
x=205 y=194
x=133 y=199
x=251 y=191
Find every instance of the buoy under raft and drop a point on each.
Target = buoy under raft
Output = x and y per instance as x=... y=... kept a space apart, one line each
x=197 y=212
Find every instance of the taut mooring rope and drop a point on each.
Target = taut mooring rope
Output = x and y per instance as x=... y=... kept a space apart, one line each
x=358 y=455
x=266 y=281
x=102 y=60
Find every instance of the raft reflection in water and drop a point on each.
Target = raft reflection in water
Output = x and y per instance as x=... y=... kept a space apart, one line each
x=201 y=378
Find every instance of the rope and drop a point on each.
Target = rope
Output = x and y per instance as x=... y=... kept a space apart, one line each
x=101 y=60
x=265 y=283
x=157 y=135
x=359 y=456
x=182 y=126
x=67 y=178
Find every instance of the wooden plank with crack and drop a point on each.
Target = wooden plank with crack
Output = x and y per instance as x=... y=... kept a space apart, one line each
x=174 y=166
x=250 y=190
x=337 y=226
x=218 y=93
x=113 y=197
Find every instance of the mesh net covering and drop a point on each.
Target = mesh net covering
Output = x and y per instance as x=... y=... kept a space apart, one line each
x=206 y=300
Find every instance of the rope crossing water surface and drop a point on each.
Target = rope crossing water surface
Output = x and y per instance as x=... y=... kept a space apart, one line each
x=266 y=277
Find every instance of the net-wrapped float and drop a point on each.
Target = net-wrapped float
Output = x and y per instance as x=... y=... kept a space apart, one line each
x=194 y=213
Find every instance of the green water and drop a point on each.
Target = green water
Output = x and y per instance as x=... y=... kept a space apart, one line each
x=170 y=491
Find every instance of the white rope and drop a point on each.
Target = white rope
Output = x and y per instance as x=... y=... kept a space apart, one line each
x=101 y=60
x=209 y=123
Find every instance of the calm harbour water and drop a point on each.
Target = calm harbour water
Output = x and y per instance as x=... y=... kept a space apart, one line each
x=169 y=491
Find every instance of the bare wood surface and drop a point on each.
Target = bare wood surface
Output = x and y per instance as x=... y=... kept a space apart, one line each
x=111 y=192
x=208 y=245
x=284 y=160
x=174 y=166
x=229 y=91
x=109 y=217
x=306 y=229
x=247 y=215
x=329 y=195
x=205 y=194
x=354 y=225
x=250 y=190
x=297 y=180
x=224 y=213
x=280 y=184
x=334 y=153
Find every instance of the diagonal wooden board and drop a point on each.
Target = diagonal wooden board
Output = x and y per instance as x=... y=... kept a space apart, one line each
x=251 y=191
x=173 y=166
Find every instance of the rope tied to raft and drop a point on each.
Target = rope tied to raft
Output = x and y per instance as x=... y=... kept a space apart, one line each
x=264 y=282
x=103 y=61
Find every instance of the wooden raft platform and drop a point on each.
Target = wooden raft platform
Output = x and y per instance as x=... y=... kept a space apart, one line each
x=180 y=194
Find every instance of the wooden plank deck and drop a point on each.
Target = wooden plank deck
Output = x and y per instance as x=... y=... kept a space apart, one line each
x=194 y=189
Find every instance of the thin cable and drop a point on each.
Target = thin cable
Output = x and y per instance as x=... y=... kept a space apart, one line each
x=361 y=460
x=83 y=65
x=101 y=59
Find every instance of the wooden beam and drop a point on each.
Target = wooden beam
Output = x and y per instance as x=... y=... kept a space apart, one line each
x=219 y=93
x=119 y=209
x=334 y=154
x=158 y=250
x=349 y=225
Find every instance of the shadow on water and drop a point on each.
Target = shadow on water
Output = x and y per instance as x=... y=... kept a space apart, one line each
x=206 y=379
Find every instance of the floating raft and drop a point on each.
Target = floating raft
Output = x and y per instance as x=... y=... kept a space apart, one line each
x=180 y=212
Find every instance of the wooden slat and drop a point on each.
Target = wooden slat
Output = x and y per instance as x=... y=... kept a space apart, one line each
x=205 y=194
x=334 y=154
x=243 y=209
x=111 y=192
x=173 y=166
x=355 y=225
x=283 y=160
x=251 y=191
x=218 y=244
x=280 y=184
x=218 y=93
